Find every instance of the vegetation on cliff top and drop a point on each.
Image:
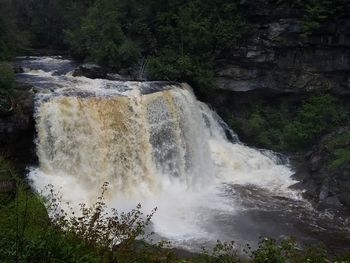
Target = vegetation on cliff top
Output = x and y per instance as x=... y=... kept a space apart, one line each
x=316 y=12
x=170 y=40
x=10 y=41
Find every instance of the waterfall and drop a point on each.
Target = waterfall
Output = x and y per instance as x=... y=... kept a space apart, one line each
x=154 y=142
x=133 y=142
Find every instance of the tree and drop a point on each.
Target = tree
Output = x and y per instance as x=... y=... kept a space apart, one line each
x=10 y=39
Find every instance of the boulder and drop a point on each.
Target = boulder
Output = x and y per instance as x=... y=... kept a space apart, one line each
x=91 y=71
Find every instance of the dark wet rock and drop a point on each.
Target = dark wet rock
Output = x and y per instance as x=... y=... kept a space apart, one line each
x=275 y=56
x=330 y=203
x=149 y=87
x=118 y=77
x=94 y=71
x=91 y=71
x=18 y=69
x=17 y=128
x=18 y=116
x=324 y=172
x=345 y=198
x=8 y=104
x=316 y=163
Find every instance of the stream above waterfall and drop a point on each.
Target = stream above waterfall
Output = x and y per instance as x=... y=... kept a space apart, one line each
x=157 y=145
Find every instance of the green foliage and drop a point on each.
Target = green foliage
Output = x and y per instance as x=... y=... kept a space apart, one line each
x=6 y=169
x=98 y=227
x=317 y=12
x=318 y=115
x=168 y=66
x=97 y=234
x=104 y=38
x=223 y=252
x=340 y=156
x=191 y=37
x=340 y=140
x=338 y=145
x=290 y=127
x=7 y=76
x=178 y=40
x=10 y=39
x=42 y=21
x=170 y=40
x=271 y=251
x=7 y=84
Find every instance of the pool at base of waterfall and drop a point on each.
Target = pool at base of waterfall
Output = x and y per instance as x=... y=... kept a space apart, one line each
x=157 y=145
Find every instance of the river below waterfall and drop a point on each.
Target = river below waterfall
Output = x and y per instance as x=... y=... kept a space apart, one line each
x=157 y=145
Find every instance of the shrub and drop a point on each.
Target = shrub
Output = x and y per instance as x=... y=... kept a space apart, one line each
x=317 y=12
x=6 y=169
x=97 y=226
x=28 y=234
x=287 y=250
x=338 y=146
x=317 y=116
x=223 y=252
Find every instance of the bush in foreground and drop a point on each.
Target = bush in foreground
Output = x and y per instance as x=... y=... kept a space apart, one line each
x=28 y=234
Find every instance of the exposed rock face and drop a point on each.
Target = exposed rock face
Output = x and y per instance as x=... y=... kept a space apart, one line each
x=275 y=55
x=275 y=63
x=17 y=128
x=325 y=172
x=93 y=71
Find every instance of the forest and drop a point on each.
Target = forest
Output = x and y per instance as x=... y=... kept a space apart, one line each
x=175 y=40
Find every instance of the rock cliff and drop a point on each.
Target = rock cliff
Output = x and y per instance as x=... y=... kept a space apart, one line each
x=276 y=56
x=275 y=64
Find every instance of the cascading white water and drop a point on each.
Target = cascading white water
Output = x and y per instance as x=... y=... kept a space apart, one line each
x=153 y=142
x=134 y=142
